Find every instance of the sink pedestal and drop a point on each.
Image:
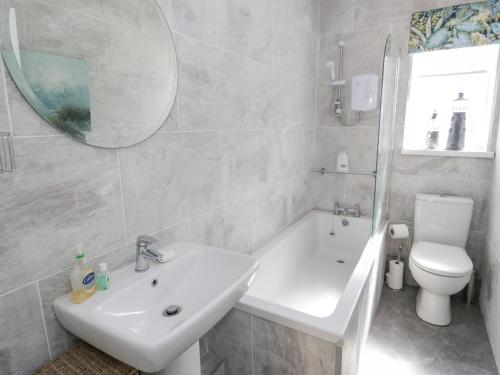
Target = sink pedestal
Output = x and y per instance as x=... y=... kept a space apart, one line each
x=188 y=363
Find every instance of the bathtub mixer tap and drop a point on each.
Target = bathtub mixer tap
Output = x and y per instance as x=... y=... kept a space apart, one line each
x=344 y=211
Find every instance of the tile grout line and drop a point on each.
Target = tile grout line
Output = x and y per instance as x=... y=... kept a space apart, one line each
x=345 y=178
x=40 y=136
x=347 y=128
x=489 y=244
x=190 y=131
x=124 y=210
x=316 y=85
x=252 y=344
x=315 y=159
x=18 y=288
x=222 y=164
x=218 y=24
x=61 y=270
x=253 y=237
x=248 y=58
x=177 y=103
x=43 y=319
x=6 y=96
x=227 y=130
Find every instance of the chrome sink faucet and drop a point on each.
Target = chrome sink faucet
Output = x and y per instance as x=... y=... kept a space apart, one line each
x=344 y=211
x=144 y=253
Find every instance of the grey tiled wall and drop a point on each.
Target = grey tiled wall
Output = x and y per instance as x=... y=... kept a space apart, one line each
x=364 y=25
x=490 y=287
x=254 y=346
x=230 y=167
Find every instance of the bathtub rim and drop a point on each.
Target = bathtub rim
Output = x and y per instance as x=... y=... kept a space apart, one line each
x=332 y=328
x=263 y=250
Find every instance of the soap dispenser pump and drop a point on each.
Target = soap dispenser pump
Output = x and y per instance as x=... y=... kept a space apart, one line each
x=82 y=279
x=343 y=162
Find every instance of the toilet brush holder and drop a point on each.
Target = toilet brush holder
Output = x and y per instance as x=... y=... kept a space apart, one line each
x=471 y=291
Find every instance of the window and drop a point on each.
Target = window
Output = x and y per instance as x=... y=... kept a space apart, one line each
x=437 y=80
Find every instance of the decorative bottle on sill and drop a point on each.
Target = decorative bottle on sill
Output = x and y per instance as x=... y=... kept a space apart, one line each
x=432 y=140
x=456 y=136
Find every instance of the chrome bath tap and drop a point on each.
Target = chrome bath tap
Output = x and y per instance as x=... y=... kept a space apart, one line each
x=144 y=253
x=344 y=211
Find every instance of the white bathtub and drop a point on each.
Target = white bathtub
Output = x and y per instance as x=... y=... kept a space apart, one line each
x=313 y=282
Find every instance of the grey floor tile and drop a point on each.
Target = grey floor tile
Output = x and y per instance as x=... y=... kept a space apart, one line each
x=401 y=343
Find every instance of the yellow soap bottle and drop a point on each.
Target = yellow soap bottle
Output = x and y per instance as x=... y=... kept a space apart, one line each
x=82 y=279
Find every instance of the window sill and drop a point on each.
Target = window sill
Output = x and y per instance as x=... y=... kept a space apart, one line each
x=457 y=154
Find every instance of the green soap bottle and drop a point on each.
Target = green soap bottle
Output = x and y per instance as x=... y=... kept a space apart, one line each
x=103 y=277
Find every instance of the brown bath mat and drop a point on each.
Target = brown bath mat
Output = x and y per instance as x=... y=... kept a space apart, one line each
x=86 y=360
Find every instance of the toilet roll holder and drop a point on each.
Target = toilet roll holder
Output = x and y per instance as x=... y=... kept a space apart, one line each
x=398 y=232
x=395 y=276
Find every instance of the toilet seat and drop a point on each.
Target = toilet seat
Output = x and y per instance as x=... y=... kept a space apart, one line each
x=442 y=260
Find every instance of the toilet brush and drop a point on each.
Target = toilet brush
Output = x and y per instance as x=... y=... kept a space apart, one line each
x=470 y=291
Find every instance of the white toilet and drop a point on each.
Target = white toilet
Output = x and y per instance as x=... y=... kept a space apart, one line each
x=438 y=261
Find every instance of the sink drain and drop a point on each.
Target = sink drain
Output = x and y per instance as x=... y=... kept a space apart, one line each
x=172 y=310
x=341 y=261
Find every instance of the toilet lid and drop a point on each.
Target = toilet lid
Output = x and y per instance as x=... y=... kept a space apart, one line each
x=440 y=259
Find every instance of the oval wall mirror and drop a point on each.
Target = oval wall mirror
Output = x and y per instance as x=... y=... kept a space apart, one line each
x=103 y=72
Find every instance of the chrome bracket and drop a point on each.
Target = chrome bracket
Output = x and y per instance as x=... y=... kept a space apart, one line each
x=7 y=157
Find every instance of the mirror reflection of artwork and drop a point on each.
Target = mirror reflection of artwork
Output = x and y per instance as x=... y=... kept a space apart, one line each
x=56 y=86
x=119 y=55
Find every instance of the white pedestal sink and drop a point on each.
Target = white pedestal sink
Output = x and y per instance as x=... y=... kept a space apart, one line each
x=129 y=321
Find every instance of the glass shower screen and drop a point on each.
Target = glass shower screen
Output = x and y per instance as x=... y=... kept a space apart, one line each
x=385 y=147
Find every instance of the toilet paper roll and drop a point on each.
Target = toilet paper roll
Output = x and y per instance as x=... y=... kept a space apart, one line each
x=396 y=271
x=399 y=231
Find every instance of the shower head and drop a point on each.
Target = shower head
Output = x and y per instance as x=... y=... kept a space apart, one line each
x=331 y=67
